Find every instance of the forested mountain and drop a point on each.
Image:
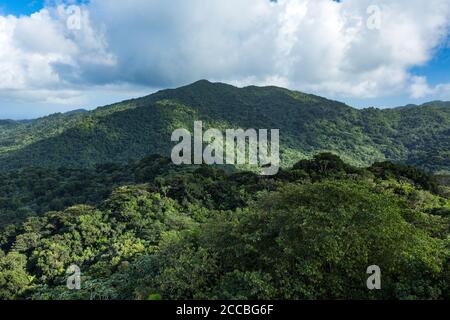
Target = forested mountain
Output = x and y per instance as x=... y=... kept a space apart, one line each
x=97 y=189
x=418 y=135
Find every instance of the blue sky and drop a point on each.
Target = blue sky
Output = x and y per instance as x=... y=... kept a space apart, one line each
x=381 y=53
x=27 y=7
x=437 y=69
x=20 y=7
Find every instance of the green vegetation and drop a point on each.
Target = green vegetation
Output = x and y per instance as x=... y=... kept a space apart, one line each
x=357 y=188
x=151 y=230
x=415 y=135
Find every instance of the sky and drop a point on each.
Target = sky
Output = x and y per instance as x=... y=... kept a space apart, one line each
x=57 y=55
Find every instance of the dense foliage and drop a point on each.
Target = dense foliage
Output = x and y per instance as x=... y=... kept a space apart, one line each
x=416 y=135
x=151 y=230
x=75 y=191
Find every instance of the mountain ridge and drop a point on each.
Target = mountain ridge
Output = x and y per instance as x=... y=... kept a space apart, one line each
x=444 y=103
x=309 y=124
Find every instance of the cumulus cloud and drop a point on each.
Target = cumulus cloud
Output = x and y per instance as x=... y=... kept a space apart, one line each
x=421 y=89
x=35 y=51
x=346 y=49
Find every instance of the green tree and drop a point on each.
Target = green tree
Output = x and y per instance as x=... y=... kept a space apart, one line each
x=14 y=279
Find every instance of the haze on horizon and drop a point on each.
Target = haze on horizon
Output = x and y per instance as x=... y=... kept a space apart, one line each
x=57 y=56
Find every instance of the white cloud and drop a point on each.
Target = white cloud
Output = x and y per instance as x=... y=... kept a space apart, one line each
x=34 y=49
x=421 y=89
x=311 y=45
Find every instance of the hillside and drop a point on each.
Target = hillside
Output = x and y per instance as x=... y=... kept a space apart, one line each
x=417 y=135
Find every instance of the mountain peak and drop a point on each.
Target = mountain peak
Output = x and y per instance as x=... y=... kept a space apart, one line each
x=202 y=82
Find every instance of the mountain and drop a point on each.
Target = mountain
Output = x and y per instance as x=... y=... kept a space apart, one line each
x=309 y=124
x=149 y=229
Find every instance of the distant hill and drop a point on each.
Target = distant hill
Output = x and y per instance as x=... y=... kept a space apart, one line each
x=417 y=135
x=77 y=111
